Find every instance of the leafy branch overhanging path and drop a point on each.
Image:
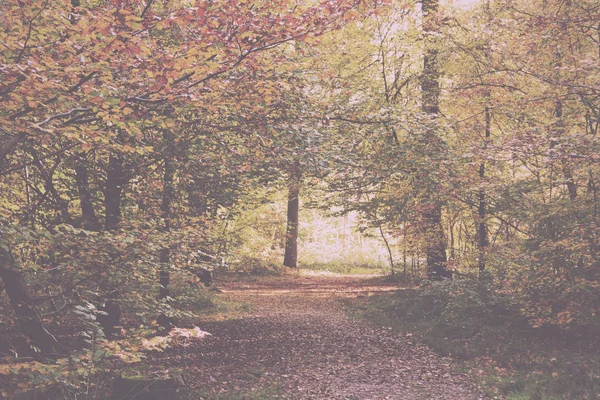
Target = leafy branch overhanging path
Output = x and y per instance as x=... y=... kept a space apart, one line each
x=298 y=338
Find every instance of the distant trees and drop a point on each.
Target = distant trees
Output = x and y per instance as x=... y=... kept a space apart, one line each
x=484 y=158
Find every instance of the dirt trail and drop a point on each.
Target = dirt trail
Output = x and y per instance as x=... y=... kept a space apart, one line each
x=298 y=338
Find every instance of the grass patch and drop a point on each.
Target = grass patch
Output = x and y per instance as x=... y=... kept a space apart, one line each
x=226 y=309
x=342 y=268
x=468 y=320
x=247 y=386
x=198 y=302
x=235 y=393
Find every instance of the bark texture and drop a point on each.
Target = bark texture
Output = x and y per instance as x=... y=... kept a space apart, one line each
x=88 y=214
x=290 y=258
x=28 y=319
x=166 y=209
x=430 y=90
x=115 y=178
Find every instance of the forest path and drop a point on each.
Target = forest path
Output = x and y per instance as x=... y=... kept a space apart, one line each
x=298 y=339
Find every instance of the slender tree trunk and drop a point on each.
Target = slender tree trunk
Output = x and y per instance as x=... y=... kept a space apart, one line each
x=389 y=249
x=28 y=319
x=290 y=258
x=593 y=242
x=435 y=250
x=30 y=217
x=47 y=174
x=197 y=196
x=482 y=231
x=560 y=130
x=459 y=240
x=88 y=214
x=166 y=209
x=115 y=179
x=451 y=232
x=164 y=278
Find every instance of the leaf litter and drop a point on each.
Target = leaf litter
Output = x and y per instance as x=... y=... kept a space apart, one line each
x=297 y=338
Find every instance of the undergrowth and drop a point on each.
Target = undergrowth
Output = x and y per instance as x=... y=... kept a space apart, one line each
x=469 y=320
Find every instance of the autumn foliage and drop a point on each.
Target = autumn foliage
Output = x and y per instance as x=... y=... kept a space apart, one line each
x=134 y=134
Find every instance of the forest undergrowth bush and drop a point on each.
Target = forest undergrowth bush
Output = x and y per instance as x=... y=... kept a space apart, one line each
x=72 y=272
x=474 y=321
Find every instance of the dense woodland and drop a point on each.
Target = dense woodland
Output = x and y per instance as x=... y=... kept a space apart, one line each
x=144 y=144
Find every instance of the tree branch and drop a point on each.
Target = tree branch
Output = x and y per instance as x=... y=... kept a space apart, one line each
x=67 y=290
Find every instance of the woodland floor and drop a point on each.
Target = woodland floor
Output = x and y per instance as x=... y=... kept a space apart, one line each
x=296 y=342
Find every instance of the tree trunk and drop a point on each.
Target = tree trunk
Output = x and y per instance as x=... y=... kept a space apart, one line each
x=290 y=258
x=47 y=175
x=559 y=128
x=166 y=209
x=89 y=219
x=197 y=196
x=28 y=319
x=435 y=250
x=164 y=278
x=389 y=249
x=482 y=232
x=452 y=244
x=593 y=242
x=560 y=131
x=430 y=90
x=115 y=178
